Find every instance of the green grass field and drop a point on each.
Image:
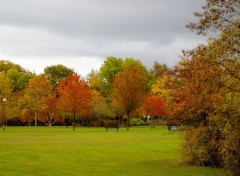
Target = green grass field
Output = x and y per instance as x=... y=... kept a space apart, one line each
x=93 y=151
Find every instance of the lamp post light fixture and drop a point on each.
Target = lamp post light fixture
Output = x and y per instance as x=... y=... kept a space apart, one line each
x=4 y=113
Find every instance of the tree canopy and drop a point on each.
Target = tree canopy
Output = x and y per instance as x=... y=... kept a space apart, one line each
x=56 y=73
x=75 y=97
x=35 y=96
x=128 y=90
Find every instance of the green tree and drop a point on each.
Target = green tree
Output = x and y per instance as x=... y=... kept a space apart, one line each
x=19 y=79
x=56 y=73
x=110 y=68
x=5 y=65
x=131 y=62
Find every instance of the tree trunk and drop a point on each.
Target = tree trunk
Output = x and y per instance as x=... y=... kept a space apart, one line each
x=121 y=121
x=74 y=118
x=50 y=120
x=1 y=123
x=66 y=120
x=128 y=120
x=154 y=119
x=169 y=127
x=35 y=119
x=151 y=122
x=99 y=121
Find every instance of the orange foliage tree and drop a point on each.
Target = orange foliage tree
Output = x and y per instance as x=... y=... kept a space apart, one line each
x=51 y=114
x=129 y=91
x=199 y=97
x=154 y=107
x=198 y=90
x=26 y=116
x=219 y=112
x=75 y=97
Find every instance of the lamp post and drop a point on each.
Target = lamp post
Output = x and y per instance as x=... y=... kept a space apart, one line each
x=4 y=113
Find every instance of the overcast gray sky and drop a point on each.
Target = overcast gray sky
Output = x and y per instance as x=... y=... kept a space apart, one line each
x=80 y=34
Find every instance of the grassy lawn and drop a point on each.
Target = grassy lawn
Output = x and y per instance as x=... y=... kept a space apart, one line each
x=93 y=151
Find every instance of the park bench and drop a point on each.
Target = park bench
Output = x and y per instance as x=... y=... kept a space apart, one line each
x=111 y=124
x=175 y=128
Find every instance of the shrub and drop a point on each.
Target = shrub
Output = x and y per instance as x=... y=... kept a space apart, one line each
x=201 y=147
x=136 y=122
x=230 y=146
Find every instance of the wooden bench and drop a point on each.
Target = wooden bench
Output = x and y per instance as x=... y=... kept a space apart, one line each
x=111 y=124
x=175 y=128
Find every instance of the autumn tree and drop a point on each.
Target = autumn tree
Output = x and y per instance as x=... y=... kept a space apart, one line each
x=221 y=16
x=94 y=80
x=163 y=87
x=128 y=90
x=159 y=70
x=35 y=96
x=25 y=114
x=100 y=109
x=154 y=107
x=205 y=100
x=112 y=66
x=75 y=97
x=217 y=15
x=131 y=62
x=18 y=77
x=51 y=114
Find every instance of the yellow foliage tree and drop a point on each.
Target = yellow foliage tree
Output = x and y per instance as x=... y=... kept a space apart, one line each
x=35 y=96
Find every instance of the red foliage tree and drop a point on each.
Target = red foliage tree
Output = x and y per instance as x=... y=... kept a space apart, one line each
x=154 y=107
x=75 y=96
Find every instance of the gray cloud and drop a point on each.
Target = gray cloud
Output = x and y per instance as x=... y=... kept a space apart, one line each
x=146 y=29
